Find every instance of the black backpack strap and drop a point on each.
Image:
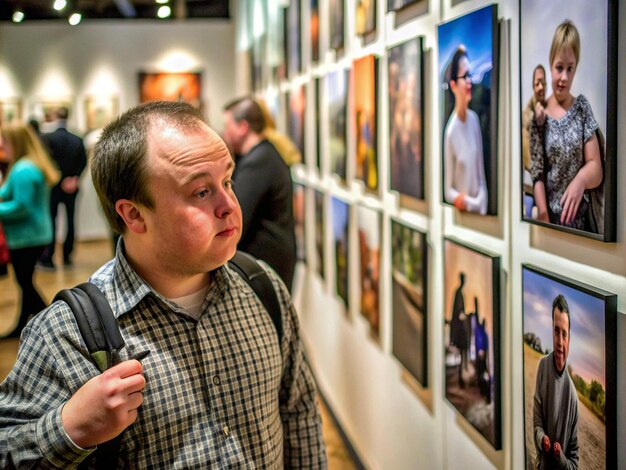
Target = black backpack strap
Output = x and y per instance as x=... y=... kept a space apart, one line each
x=97 y=324
x=256 y=277
x=100 y=331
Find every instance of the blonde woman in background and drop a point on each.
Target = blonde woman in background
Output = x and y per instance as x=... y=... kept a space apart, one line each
x=25 y=211
x=284 y=145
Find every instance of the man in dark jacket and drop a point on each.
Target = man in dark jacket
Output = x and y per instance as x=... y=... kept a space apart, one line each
x=68 y=152
x=264 y=189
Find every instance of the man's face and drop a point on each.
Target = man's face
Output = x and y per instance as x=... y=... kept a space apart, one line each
x=539 y=85
x=196 y=221
x=560 y=337
x=234 y=132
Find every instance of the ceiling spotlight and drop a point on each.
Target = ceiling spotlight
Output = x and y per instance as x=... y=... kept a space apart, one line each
x=18 y=16
x=59 y=4
x=75 y=18
x=161 y=2
x=164 y=11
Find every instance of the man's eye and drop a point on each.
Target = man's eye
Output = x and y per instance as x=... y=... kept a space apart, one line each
x=229 y=184
x=202 y=194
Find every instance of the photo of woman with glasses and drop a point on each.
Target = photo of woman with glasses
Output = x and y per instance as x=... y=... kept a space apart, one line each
x=468 y=74
x=464 y=173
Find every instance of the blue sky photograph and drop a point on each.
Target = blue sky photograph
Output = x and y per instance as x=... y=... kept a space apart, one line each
x=587 y=328
x=340 y=218
x=475 y=32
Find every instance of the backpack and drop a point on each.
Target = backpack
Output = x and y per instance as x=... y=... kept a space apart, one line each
x=100 y=331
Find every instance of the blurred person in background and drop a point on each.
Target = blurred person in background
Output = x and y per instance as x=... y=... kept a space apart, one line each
x=25 y=211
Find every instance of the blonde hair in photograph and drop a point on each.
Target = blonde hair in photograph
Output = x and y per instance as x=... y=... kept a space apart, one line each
x=26 y=144
x=566 y=35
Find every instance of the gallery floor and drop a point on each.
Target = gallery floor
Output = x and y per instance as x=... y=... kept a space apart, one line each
x=88 y=257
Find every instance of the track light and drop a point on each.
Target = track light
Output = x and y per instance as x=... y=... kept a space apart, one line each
x=59 y=4
x=161 y=2
x=75 y=18
x=164 y=11
x=18 y=16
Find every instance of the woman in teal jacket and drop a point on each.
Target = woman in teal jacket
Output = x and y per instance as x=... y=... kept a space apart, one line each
x=25 y=211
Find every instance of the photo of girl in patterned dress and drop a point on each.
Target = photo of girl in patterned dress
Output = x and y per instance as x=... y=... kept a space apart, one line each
x=568 y=172
x=564 y=144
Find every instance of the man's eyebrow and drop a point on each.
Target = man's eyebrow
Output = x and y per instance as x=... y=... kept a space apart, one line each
x=204 y=174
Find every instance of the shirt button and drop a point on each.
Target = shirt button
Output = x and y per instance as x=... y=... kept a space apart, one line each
x=226 y=431
x=216 y=380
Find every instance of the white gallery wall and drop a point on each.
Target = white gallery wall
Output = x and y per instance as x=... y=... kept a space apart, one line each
x=51 y=60
x=391 y=421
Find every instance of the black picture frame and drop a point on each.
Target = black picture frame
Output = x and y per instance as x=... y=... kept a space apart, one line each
x=365 y=118
x=320 y=230
x=314 y=29
x=478 y=33
x=296 y=102
x=475 y=384
x=409 y=299
x=337 y=10
x=341 y=245
x=299 y=215
x=365 y=17
x=592 y=320
x=369 y=231
x=337 y=83
x=406 y=118
x=596 y=79
x=317 y=83
x=293 y=39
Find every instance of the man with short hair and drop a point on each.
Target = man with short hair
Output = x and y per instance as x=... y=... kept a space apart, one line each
x=555 y=412
x=219 y=388
x=68 y=152
x=264 y=188
x=538 y=100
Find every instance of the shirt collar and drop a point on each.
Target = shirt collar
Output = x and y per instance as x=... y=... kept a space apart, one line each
x=125 y=288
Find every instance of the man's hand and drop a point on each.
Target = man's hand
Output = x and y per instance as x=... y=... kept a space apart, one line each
x=540 y=114
x=557 y=450
x=105 y=405
x=545 y=443
x=69 y=184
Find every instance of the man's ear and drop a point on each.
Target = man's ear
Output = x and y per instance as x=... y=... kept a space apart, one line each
x=131 y=214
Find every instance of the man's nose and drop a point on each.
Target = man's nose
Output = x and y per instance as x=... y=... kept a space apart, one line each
x=226 y=204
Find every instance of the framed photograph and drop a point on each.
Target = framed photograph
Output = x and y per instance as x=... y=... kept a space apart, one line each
x=365 y=17
x=315 y=30
x=468 y=74
x=183 y=86
x=317 y=83
x=472 y=337
x=409 y=297
x=295 y=124
x=293 y=28
x=369 y=231
x=299 y=218
x=341 y=242
x=10 y=110
x=336 y=10
x=337 y=92
x=406 y=114
x=570 y=372
x=320 y=221
x=100 y=110
x=569 y=122
x=365 y=118
x=276 y=44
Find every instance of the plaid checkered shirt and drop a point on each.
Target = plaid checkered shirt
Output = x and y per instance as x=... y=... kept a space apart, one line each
x=220 y=391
